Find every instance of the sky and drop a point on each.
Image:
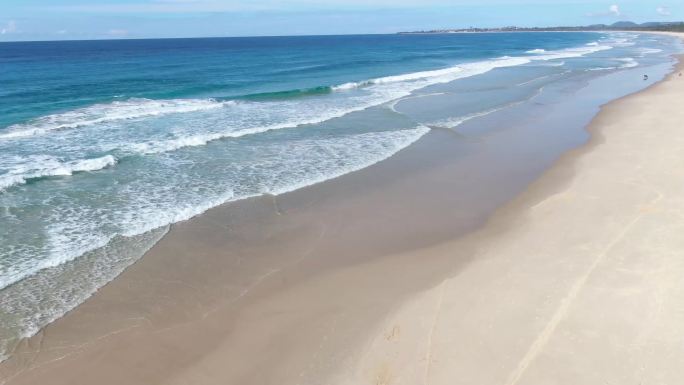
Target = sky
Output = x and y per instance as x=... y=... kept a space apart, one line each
x=22 y=20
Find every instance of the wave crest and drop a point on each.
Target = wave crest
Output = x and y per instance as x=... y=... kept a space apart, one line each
x=109 y=112
x=46 y=166
x=399 y=78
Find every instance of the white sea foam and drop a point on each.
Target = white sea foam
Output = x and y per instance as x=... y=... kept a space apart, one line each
x=571 y=52
x=393 y=105
x=40 y=299
x=538 y=50
x=71 y=238
x=534 y=80
x=602 y=68
x=108 y=112
x=75 y=235
x=383 y=90
x=400 y=78
x=649 y=51
x=551 y=64
x=454 y=122
x=200 y=139
x=43 y=166
x=440 y=76
x=476 y=68
x=624 y=43
x=630 y=62
x=359 y=152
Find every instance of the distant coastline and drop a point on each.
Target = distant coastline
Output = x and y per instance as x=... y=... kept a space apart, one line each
x=619 y=26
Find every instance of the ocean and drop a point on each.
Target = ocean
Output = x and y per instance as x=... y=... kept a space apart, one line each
x=105 y=144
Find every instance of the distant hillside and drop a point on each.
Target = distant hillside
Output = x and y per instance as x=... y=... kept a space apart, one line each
x=653 y=26
x=624 y=24
x=619 y=26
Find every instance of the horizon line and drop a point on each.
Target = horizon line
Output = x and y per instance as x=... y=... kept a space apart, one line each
x=484 y=30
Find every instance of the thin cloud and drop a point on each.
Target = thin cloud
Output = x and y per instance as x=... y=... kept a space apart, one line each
x=158 y=6
x=221 y=6
x=663 y=11
x=117 y=32
x=613 y=10
x=10 y=27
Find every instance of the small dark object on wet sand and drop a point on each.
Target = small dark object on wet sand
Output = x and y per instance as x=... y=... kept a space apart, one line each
x=645 y=77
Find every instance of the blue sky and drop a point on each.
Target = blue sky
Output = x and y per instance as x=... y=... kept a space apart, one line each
x=102 y=19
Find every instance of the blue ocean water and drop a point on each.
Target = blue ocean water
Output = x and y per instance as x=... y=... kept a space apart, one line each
x=104 y=144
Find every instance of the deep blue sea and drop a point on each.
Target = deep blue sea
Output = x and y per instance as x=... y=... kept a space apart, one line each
x=104 y=144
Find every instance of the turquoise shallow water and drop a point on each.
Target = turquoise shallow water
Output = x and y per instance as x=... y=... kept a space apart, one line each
x=105 y=144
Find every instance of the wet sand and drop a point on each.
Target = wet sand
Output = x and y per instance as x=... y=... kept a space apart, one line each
x=378 y=278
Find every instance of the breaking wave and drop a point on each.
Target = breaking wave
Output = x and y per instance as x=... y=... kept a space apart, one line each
x=46 y=166
x=109 y=112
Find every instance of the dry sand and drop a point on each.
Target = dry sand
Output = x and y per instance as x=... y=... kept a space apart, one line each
x=369 y=280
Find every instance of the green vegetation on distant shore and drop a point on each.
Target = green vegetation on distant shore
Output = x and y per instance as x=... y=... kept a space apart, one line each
x=619 y=26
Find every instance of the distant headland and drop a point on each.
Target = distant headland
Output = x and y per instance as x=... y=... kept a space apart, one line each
x=619 y=26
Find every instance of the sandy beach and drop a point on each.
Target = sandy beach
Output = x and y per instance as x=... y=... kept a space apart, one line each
x=380 y=277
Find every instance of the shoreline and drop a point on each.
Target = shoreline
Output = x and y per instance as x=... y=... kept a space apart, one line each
x=268 y=297
x=386 y=357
